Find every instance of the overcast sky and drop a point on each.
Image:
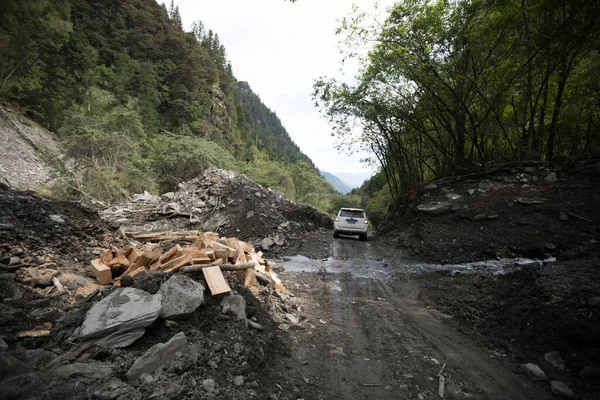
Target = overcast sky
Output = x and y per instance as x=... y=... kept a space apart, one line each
x=280 y=48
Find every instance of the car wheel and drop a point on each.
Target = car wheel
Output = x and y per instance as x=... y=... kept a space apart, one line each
x=363 y=237
x=336 y=234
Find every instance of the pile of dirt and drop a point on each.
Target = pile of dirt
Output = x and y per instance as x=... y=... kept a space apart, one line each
x=534 y=210
x=42 y=350
x=528 y=209
x=231 y=205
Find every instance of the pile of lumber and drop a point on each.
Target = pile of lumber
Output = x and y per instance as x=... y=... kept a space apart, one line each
x=207 y=252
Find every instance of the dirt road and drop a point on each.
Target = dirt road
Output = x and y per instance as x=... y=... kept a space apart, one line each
x=367 y=336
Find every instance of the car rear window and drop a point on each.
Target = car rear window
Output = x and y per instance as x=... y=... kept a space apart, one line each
x=352 y=213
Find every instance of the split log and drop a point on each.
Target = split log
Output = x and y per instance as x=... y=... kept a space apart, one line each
x=120 y=263
x=223 y=267
x=147 y=258
x=133 y=254
x=175 y=252
x=176 y=263
x=185 y=236
x=102 y=272
x=106 y=256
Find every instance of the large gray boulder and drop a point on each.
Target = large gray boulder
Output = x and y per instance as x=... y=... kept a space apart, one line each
x=180 y=296
x=158 y=355
x=534 y=372
x=234 y=305
x=121 y=318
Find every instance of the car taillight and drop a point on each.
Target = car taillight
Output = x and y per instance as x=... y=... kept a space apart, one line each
x=337 y=220
x=366 y=222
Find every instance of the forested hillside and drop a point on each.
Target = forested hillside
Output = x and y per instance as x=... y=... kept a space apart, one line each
x=454 y=87
x=139 y=103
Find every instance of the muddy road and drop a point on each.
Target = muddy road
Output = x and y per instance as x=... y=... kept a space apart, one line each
x=367 y=336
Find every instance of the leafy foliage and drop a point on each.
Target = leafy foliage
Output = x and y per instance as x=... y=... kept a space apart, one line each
x=139 y=103
x=451 y=87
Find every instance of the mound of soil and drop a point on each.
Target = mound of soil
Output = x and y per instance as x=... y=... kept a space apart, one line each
x=231 y=205
x=530 y=210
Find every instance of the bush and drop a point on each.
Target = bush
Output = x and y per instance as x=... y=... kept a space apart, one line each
x=176 y=159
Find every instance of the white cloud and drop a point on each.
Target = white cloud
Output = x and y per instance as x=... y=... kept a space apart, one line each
x=280 y=48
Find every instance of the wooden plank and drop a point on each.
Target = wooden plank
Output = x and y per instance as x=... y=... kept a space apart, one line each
x=102 y=272
x=175 y=252
x=155 y=265
x=186 y=236
x=216 y=281
x=207 y=236
x=201 y=259
x=193 y=251
x=179 y=261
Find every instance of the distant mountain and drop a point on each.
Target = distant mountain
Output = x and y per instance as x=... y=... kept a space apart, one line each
x=353 y=180
x=337 y=183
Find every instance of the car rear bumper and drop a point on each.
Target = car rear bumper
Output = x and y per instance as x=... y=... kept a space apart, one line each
x=351 y=231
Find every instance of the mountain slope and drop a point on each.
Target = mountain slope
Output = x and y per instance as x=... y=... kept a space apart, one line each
x=337 y=183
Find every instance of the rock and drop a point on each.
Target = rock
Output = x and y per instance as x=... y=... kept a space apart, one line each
x=254 y=325
x=3 y=346
x=158 y=355
x=10 y=366
x=167 y=196
x=534 y=372
x=431 y=186
x=57 y=218
x=563 y=216
x=527 y=201
x=238 y=380
x=594 y=302
x=551 y=178
x=453 y=196
x=485 y=185
x=435 y=207
x=293 y=318
x=209 y=385
x=590 y=373
x=234 y=305
x=479 y=217
x=116 y=389
x=267 y=243
x=471 y=191
x=38 y=358
x=492 y=216
x=445 y=190
x=561 y=389
x=97 y=371
x=121 y=318
x=279 y=239
x=257 y=194
x=146 y=379
x=250 y=214
x=553 y=358
x=42 y=277
x=180 y=297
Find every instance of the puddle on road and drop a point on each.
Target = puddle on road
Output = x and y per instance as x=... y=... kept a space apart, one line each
x=367 y=268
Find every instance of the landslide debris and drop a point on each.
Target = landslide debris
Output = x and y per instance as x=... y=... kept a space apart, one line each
x=65 y=336
x=529 y=209
x=233 y=206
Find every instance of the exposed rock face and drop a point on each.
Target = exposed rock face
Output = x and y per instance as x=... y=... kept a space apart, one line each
x=158 y=355
x=180 y=296
x=121 y=318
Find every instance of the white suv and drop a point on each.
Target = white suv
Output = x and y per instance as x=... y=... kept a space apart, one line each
x=351 y=221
